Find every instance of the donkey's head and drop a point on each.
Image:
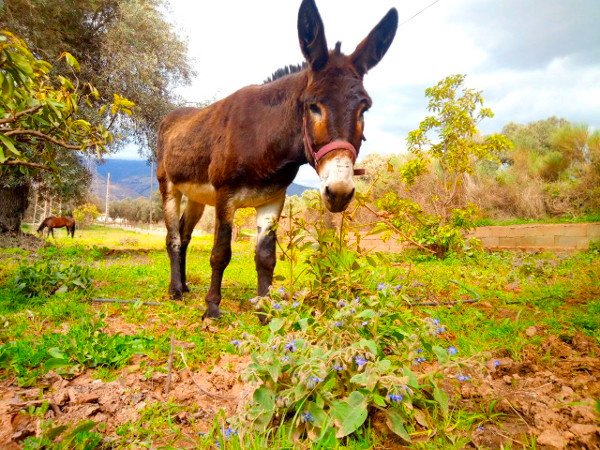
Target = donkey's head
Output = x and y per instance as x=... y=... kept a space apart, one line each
x=334 y=101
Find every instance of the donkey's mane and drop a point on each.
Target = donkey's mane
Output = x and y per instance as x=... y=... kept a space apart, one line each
x=285 y=71
x=295 y=68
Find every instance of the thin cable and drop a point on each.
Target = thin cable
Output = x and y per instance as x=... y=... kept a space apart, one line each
x=415 y=15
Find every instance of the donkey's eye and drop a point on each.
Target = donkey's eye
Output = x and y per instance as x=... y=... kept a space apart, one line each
x=314 y=108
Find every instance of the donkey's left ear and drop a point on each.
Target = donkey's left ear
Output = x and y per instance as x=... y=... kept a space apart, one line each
x=370 y=51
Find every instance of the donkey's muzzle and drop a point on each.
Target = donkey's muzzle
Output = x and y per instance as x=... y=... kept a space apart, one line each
x=338 y=195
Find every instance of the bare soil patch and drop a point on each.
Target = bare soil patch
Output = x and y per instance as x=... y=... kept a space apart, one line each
x=115 y=403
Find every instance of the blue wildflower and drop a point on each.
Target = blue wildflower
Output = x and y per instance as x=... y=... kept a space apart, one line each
x=452 y=350
x=352 y=311
x=337 y=367
x=295 y=304
x=254 y=300
x=313 y=381
x=419 y=350
x=229 y=432
x=338 y=323
x=291 y=346
x=439 y=330
x=480 y=428
x=342 y=303
x=461 y=377
x=285 y=359
x=364 y=323
x=357 y=300
x=419 y=360
x=307 y=417
x=360 y=360
x=381 y=286
x=236 y=343
x=395 y=398
x=497 y=363
x=277 y=306
x=398 y=287
x=435 y=321
x=281 y=291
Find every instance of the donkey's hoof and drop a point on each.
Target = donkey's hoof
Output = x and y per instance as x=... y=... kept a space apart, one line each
x=185 y=288
x=176 y=294
x=212 y=311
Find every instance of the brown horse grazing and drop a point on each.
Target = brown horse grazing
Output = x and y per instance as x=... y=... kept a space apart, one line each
x=244 y=150
x=53 y=222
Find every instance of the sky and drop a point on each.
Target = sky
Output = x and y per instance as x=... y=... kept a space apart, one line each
x=532 y=59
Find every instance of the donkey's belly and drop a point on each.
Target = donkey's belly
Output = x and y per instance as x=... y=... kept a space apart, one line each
x=199 y=193
x=242 y=198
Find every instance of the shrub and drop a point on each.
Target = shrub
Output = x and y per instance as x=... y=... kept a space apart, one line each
x=44 y=278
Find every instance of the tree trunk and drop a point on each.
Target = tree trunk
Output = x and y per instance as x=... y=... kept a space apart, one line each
x=13 y=203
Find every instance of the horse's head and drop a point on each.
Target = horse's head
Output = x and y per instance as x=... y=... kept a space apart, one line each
x=334 y=101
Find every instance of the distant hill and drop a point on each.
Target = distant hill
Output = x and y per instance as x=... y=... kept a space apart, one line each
x=130 y=178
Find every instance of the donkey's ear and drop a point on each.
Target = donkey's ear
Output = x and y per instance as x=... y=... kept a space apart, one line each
x=370 y=51
x=312 y=35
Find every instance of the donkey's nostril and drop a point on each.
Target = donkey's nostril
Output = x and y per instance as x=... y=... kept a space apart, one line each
x=327 y=191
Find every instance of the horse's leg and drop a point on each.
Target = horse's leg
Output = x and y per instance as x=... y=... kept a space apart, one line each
x=220 y=255
x=171 y=201
x=189 y=219
x=51 y=230
x=265 y=255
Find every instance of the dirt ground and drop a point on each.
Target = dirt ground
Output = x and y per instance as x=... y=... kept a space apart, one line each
x=547 y=398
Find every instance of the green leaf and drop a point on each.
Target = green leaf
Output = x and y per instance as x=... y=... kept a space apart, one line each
x=56 y=353
x=349 y=415
x=319 y=416
x=276 y=324
x=71 y=60
x=442 y=398
x=441 y=353
x=9 y=144
x=56 y=363
x=395 y=422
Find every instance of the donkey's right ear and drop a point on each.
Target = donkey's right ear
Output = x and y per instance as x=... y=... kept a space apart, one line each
x=311 y=34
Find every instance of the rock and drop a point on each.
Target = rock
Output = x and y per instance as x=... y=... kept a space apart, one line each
x=552 y=438
x=581 y=429
x=531 y=331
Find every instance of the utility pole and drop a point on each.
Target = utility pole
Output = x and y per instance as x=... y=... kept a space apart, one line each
x=151 y=180
x=107 y=198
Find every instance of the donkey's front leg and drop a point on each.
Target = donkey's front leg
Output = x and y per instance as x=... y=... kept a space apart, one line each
x=171 y=202
x=265 y=257
x=220 y=256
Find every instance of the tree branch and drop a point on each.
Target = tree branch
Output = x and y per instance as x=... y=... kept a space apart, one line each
x=399 y=231
x=46 y=137
x=26 y=164
x=21 y=113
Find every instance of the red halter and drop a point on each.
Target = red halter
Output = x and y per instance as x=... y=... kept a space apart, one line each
x=327 y=148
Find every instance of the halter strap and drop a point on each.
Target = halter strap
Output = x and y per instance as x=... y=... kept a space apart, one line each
x=327 y=148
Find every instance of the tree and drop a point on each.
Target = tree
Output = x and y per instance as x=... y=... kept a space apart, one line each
x=124 y=47
x=449 y=145
x=40 y=114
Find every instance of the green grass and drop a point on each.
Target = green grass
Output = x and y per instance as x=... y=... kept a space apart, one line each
x=593 y=217
x=68 y=333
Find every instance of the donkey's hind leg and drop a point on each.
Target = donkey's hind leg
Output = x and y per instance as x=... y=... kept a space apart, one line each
x=171 y=202
x=189 y=219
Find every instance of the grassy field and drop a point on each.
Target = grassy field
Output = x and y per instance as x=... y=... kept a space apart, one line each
x=492 y=350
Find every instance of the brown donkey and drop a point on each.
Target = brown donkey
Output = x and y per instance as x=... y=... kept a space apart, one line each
x=244 y=150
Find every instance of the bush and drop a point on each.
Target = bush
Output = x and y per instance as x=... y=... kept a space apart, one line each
x=85 y=214
x=44 y=278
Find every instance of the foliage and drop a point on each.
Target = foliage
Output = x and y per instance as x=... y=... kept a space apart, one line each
x=41 y=111
x=63 y=437
x=130 y=38
x=85 y=214
x=450 y=155
x=337 y=351
x=46 y=277
x=139 y=209
x=83 y=345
